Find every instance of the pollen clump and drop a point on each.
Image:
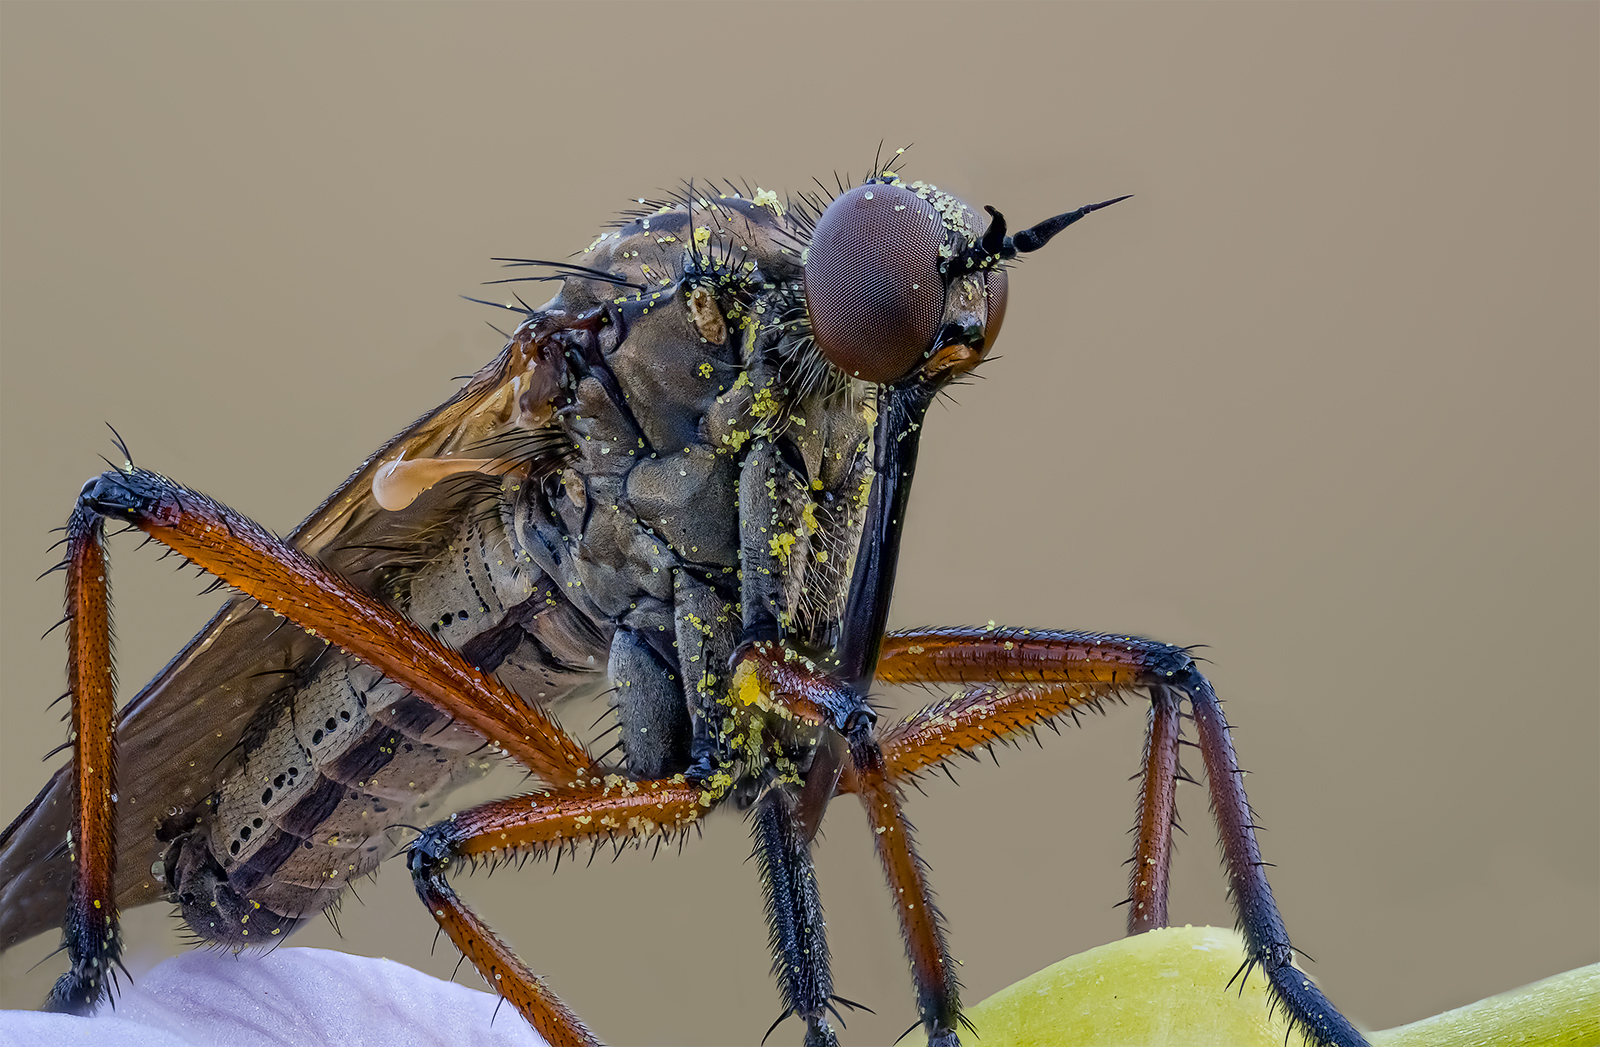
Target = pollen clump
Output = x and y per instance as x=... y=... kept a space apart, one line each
x=769 y=199
x=747 y=685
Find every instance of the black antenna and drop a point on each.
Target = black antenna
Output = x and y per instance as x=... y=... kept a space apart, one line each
x=1036 y=237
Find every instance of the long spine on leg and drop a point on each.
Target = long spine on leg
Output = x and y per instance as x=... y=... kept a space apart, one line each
x=1266 y=941
x=90 y=933
x=1152 y=851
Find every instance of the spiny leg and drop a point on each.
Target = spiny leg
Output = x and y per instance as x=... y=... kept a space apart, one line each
x=921 y=925
x=1034 y=676
x=1265 y=937
x=90 y=934
x=794 y=914
x=251 y=559
x=612 y=808
x=1158 y=789
x=1016 y=679
x=767 y=670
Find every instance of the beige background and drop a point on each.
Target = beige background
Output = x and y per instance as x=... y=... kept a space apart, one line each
x=1322 y=396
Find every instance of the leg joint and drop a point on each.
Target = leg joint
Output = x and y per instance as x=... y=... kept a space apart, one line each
x=430 y=853
x=1172 y=665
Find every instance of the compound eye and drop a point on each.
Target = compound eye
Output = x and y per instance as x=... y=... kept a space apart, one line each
x=998 y=286
x=873 y=288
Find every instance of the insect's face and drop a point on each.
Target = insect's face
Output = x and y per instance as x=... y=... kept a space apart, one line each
x=894 y=289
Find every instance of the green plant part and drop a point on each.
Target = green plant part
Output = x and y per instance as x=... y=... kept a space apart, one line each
x=1160 y=988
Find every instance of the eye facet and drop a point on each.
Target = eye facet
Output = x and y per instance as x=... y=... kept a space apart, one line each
x=873 y=288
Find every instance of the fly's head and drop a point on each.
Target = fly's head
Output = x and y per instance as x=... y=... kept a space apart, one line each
x=905 y=283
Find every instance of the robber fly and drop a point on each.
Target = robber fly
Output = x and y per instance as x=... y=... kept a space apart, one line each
x=681 y=485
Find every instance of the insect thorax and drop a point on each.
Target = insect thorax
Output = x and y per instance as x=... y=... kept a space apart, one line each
x=717 y=481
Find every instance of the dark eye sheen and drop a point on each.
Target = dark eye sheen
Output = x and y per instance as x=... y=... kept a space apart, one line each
x=873 y=288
